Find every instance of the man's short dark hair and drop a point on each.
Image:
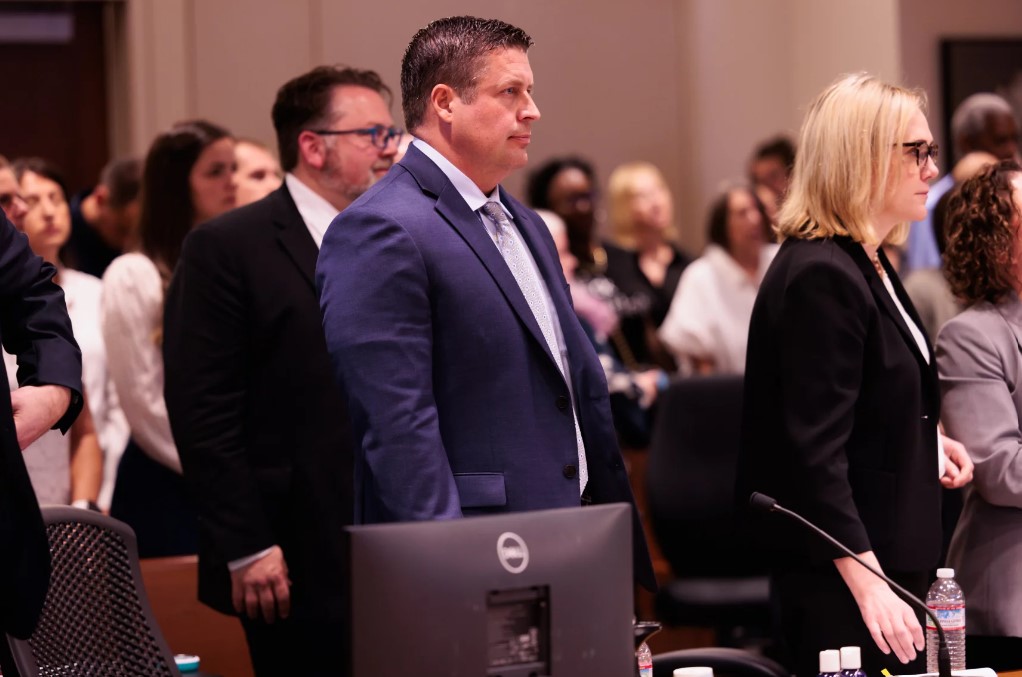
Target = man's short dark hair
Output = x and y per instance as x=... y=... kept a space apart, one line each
x=779 y=147
x=304 y=102
x=448 y=51
x=123 y=179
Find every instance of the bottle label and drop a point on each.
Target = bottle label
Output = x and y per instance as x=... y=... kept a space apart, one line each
x=951 y=616
x=646 y=672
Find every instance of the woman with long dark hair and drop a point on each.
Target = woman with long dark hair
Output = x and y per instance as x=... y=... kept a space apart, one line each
x=187 y=179
x=708 y=322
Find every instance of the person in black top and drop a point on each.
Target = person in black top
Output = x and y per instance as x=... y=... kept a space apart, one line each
x=104 y=219
x=645 y=265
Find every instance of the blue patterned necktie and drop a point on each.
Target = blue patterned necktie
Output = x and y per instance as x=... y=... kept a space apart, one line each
x=513 y=251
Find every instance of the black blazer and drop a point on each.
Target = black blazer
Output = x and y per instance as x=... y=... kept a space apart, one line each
x=841 y=410
x=34 y=326
x=261 y=426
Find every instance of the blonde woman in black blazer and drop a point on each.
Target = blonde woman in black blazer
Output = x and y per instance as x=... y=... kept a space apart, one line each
x=841 y=398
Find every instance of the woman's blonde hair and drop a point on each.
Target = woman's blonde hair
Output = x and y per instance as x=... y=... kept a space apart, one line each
x=843 y=166
x=620 y=189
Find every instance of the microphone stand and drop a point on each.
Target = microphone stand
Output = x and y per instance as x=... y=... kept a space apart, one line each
x=764 y=503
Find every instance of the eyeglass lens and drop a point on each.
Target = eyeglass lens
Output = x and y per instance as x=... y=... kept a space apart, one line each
x=924 y=151
x=382 y=136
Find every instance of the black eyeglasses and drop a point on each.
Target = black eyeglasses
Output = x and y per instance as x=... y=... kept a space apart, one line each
x=923 y=151
x=7 y=200
x=379 y=135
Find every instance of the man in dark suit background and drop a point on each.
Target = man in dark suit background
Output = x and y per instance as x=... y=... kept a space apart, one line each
x=472 y=387
x=261 y=426
x=34 y=325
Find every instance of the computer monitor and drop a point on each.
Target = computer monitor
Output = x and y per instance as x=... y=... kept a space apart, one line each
x=528 y=594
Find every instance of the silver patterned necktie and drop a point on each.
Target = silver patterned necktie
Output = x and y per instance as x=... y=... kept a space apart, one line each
x=513 y=251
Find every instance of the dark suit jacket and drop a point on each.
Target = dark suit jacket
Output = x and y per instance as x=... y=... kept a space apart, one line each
x=260 y=424
x=34 y=326
x=840 y=410
x=457 y=405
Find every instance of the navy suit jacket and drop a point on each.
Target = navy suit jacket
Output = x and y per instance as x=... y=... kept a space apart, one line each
x=457 y=405
x=34 y=326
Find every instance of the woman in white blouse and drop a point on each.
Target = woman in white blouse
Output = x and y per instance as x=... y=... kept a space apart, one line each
x=707 y=325
x=187 y=179
x=68 y=469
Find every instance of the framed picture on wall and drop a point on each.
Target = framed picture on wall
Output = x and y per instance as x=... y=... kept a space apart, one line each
x=980 y=65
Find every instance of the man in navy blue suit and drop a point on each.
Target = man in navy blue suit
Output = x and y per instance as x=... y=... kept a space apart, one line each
x=472 y=387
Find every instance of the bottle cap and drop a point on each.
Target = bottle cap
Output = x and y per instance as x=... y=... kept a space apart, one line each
x=693 y=671
x=830 y=661
x=945 y=573
x=851 y=659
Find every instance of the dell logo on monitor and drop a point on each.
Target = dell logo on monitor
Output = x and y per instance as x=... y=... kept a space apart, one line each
x=512 y=552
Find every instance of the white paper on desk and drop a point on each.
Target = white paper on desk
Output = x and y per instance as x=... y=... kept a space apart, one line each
x=971 y=672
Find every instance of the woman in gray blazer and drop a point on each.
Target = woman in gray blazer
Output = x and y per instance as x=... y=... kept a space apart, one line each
x=980 y=366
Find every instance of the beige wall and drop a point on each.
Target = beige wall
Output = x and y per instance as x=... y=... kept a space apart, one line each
x=922 y=29
x=690 y=85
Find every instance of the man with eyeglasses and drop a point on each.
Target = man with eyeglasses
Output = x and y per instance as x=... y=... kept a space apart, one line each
x=260 y=424
x=11 y=201
x=473 y=388
x=982 y=122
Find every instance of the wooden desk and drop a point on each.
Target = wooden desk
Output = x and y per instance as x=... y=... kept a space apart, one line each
x=189 y=626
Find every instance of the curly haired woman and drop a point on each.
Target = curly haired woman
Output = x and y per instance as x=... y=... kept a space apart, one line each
x=980 y=368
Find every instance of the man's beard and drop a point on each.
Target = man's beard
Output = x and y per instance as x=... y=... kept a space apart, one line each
x=350 y=190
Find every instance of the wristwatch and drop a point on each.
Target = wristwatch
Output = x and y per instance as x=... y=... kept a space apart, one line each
x=85 y=504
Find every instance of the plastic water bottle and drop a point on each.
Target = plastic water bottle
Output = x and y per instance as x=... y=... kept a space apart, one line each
x=830 y=663
x=645 y=658
x=947 y=602
x=851 y=662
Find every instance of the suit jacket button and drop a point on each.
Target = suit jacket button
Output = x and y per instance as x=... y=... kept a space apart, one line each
x=562 y=403
x=569 y=471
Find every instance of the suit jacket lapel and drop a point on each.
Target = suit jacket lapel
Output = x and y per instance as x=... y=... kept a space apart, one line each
x=574 y=336
x=887 y=306
x=453 y=208
x=293 y=234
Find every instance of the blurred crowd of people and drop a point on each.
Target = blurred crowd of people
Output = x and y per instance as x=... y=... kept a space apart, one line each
x=652 y=310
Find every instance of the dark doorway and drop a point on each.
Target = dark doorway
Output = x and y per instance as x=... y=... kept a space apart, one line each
x=53 y=86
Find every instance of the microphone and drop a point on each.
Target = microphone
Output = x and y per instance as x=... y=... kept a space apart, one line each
x=764 y=503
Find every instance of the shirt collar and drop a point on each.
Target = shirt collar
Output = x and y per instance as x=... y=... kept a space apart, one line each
x=314 y=209
x=469 y=191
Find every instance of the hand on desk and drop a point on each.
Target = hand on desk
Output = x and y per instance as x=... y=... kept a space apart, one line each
x=263 y=587
x=891 y=622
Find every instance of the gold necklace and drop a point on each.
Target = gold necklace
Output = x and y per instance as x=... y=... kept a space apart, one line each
x=875 y=258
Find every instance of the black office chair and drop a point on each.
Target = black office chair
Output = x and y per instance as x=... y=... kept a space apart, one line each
x=96 y=619
x=718 y=582
x=725 y=663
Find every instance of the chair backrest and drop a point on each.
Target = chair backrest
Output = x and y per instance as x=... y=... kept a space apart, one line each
x=96 y=619
x=725 y=663
x=691 y=478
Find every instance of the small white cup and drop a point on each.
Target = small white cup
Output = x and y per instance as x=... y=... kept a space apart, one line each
x=694 y=671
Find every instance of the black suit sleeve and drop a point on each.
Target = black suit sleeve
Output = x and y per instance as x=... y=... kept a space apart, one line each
x=206 y=352
x=34 y=321
x=822 y=325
